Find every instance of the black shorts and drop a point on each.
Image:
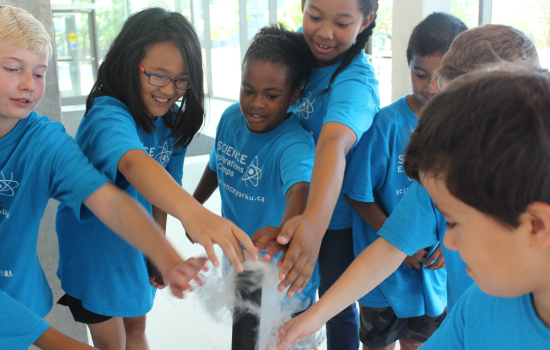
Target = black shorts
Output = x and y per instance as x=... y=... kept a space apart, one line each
x=380 y=327
x=80 y=314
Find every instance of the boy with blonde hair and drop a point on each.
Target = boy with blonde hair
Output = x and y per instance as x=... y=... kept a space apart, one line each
x=38 y=161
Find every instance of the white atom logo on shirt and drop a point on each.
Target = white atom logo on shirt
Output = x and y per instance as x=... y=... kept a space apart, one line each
x=253 y=173
x=7 y=185
x=306 y=107
x=164 y=156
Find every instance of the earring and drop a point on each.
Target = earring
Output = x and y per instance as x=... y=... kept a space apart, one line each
x=355 y=41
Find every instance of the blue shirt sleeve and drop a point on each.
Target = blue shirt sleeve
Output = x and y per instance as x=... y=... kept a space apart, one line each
x=296 y=164
x=353 y=100
x=367 y=169
x=19 y=326
x=105 y=137
x=413 y=223
x=72 y=178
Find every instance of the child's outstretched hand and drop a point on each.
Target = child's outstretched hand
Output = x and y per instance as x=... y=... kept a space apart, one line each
x=299 y=261
x=181 y=274
x=297 y=329
x=208 y=228
x=266 y=239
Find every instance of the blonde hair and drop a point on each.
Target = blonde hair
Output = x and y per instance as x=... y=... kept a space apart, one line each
x=490 y=43
x=19 y=28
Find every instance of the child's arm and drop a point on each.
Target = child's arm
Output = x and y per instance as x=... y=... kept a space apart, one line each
x=306 y=231
x=370 y=212
x=127 y=218
x=207 y=185
x=53 y=339
x=204 y=227
x=369 y=269
x=373 y=215
x=155 y=277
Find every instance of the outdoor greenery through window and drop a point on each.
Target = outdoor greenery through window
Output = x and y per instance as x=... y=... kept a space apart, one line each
x=75 y=52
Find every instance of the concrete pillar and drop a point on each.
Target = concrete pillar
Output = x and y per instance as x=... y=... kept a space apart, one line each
x=48 y=252
x=406 y=15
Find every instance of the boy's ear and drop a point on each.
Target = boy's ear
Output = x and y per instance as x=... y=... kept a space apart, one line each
x=540 y=225
x=295 y=95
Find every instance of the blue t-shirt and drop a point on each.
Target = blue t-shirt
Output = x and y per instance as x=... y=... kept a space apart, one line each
x=481 y=321
x=38 y=161
x=96 y=265
x=375 y=174
x=20 y=327
x=415 y=224
x=255 y=170
x=353 y=100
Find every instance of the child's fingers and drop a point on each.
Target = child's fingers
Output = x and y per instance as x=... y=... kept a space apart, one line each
x=211 y=253
x=179 y=284
x=263 y=236
x=289 y=335
x=236 y=245
x=438 y=264
x=430 y=260
x=184 y=272
x=290 y=259
x=304 y=278
x=288 y=231
x=197 y=264
x=157 y=282
x=272 y=249
x=436 y=257
x=246 y=242
x=293 y=278
x=231 y=254
x=260 y=241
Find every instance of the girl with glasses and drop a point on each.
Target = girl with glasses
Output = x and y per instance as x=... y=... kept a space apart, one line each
x=136 y=133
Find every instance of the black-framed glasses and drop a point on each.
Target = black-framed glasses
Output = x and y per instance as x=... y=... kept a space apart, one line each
x=163 y=80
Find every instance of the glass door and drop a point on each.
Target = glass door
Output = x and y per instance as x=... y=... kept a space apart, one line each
x=76 y=49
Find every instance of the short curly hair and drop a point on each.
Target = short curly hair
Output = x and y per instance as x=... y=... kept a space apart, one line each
x=282 y=48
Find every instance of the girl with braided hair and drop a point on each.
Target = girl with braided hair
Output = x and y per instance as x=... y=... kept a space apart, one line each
x=337 y=106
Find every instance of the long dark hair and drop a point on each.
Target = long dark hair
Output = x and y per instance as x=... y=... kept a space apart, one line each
x=118 y=75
